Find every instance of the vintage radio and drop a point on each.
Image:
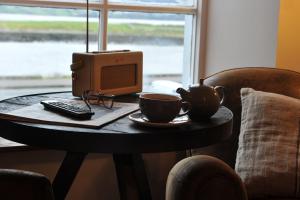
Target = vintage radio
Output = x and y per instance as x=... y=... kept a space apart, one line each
x=108 y=72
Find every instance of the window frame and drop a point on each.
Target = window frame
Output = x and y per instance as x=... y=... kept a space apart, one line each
x=198 y=27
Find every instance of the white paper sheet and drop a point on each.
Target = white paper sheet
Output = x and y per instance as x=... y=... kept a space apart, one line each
x=37 y=114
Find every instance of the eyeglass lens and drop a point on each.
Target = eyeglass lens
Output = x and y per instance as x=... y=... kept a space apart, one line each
x=97 y=98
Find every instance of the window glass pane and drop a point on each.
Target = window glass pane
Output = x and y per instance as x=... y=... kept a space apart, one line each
x=37 y=44
x=156 y=2
x=160 y=37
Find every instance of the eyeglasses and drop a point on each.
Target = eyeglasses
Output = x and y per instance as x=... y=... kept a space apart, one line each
x=91 y=97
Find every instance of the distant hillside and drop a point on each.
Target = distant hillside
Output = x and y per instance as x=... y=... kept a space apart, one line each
x=82 y=13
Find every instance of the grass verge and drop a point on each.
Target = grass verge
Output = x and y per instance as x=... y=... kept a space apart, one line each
x=174 y=31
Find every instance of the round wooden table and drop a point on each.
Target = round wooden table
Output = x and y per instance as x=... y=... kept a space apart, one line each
x=121 y=138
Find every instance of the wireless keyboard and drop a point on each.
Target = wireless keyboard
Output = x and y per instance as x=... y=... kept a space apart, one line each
x=68 y=109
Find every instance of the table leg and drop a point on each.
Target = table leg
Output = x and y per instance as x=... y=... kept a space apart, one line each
x=132 y=177
x=66 y=174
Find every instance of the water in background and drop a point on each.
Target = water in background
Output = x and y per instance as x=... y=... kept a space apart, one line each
x=54 y=58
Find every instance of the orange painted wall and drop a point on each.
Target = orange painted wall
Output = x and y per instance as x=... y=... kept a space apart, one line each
x=288 y=49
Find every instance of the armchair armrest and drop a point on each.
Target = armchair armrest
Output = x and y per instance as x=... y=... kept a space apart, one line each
x=19 y=184
x=206 y=178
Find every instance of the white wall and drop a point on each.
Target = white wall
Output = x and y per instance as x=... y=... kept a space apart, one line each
x=241 y=33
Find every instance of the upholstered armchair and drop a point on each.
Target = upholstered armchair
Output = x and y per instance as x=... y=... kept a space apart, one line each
x=211 y=175
x=24 y=185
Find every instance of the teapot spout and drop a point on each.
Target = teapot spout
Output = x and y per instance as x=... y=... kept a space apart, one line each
x=183 y=93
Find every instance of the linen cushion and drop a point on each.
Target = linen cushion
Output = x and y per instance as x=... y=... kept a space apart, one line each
x=268 y=153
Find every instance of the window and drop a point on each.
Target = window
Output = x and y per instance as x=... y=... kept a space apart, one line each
x=37 y=39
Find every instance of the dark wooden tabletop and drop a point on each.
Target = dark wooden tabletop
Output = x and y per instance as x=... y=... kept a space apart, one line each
x=120 y=136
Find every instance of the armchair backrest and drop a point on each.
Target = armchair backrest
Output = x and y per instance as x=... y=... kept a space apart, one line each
x=274 y=80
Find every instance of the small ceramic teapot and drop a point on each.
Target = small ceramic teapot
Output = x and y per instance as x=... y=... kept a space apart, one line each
x=204 y=100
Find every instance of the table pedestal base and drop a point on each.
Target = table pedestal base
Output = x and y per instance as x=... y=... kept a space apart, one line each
x=66 y=174
x=130 y=170
x=132 y=177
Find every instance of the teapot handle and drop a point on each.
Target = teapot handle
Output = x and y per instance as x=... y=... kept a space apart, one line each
x=222 y=89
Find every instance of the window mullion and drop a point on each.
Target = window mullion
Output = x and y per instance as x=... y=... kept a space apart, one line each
x=199 y=41
x=110 y=6
x=103 y=25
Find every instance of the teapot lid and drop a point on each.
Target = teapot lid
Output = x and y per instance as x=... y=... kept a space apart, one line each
x=201 y=81
x=199 y=85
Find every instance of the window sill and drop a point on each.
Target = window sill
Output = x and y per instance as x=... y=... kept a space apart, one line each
x=9 y=146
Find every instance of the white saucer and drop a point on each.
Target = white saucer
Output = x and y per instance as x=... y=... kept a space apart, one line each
x=140 y=119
